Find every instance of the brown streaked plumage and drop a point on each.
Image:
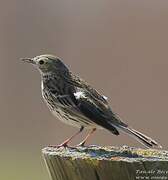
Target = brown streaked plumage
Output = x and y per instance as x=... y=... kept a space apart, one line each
x=75 y=102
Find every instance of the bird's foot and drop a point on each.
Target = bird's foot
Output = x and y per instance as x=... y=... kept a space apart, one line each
x=58 y=146
x=81 y=144
x=64 y=145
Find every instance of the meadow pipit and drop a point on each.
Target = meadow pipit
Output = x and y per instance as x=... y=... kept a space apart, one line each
x=75 y=102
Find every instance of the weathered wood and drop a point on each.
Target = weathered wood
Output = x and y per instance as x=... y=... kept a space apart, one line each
x=106 y=163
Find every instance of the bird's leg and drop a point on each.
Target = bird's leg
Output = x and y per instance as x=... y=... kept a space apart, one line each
x=65 y=143
x=86 y=138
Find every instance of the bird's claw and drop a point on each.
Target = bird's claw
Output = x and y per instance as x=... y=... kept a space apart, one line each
x=64 y=145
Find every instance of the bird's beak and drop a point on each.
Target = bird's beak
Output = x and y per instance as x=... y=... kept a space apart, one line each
x=28 y=60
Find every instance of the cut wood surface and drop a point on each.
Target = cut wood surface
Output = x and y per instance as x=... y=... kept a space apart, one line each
x=106 y=163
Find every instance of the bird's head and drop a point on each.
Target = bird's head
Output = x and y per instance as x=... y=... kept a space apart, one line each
x=47 y=63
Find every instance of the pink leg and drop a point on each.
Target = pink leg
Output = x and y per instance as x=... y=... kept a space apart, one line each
x=65 y=143
x=86 y=138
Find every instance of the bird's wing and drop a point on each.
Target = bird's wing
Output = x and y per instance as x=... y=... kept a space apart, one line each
x=93 y=105
x=95 y=109
x=80 y=83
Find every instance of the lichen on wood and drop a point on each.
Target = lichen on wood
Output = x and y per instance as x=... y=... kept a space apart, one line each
x=106 y=163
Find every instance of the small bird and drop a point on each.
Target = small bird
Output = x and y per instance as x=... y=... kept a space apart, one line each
x=75 y=102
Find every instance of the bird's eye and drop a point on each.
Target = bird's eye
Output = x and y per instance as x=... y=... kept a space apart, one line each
x=41 y=62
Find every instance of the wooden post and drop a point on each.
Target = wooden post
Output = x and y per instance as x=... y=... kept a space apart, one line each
x=106 y=163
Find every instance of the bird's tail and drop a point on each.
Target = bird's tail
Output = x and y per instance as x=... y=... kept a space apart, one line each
x=145 y=140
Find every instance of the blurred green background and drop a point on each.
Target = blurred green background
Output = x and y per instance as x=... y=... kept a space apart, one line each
x=119 y=46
